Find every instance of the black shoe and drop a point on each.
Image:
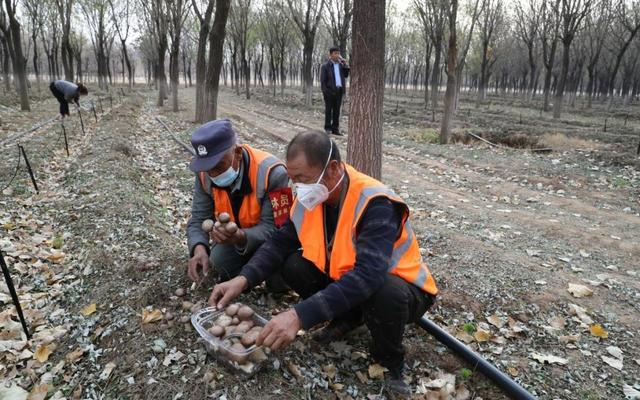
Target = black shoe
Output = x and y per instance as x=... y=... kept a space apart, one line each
x=395 y=384
x=335 y=330
x=337 y=133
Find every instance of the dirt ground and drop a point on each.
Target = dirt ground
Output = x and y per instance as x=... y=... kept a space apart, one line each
x=536 y=254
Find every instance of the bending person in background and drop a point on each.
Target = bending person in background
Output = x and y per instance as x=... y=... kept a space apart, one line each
x=66 y=92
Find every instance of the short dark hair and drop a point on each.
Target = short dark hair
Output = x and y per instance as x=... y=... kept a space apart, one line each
x=315 y=145
x=333 y=49
x=82 y=89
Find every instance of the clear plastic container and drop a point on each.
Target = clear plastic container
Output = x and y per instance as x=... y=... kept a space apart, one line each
x=249 y=360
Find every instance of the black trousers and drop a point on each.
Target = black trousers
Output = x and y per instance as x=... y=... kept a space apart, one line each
x=386 y=312
x=332 y=104
x=64 y=105
x=227 y=264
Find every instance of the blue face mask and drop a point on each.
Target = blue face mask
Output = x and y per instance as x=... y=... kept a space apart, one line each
x=226 y=178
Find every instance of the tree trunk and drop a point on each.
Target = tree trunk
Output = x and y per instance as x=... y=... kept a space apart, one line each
x=307 y=65
x=19 y=62
x=216 y=55
x=452 y=59
x=435 y=74
x=364 y=145
x=201 y=61
x=557 y=104
x=161 y=74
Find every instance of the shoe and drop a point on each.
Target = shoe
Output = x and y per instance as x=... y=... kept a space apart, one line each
x=395 y=384
x=327 y=131
x=337 y=133
x=335 y=330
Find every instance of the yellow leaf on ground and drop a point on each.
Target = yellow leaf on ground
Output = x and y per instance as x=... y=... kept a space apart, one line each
x=151 y=316
x=39 y=392
x=56 y=256
x=42 y=354
x=496 y=321
x=481 y=335
x=88 y=310
x=598 y=331
x=376 y=371
x=330 y=370
x=579 y=290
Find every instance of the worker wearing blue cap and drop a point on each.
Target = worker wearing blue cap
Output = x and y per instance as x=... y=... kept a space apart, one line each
x=248 y=184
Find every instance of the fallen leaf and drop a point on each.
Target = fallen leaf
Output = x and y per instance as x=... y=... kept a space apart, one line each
x=579 y=290
x=56 y=256
x=581 y=313
x=376 y=371
x=107 y=371
x=568 y=339
x=39 y=392
x=613 y=362
x=13 y=393
x=75 y=355
x=362 y=377
x=598 y=331
x=630 y=392
x=557 y=322
x=151 y=316
x=496 y=321
x=88 y=310
x=513 y=371
x=481 y=335
x=465 y=337
x=550 y=359
x=42 y=353
x=330 y=370
x=294 y=370
x=615 y=351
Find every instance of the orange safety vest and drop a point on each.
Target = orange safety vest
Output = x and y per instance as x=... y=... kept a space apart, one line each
x=406 y=261
x=260 y=165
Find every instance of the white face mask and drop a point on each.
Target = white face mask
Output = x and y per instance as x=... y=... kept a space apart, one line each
x=312 y=194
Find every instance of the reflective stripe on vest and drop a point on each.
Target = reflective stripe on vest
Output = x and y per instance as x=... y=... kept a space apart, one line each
x=405 y=261
x=259 y=167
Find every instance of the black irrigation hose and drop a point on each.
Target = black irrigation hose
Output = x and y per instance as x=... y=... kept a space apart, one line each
x=15 y=173
x=508 y=385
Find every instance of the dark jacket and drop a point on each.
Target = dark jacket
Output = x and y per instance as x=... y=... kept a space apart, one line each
x=328 y=79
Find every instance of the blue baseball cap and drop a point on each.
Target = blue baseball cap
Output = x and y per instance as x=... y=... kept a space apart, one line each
x=211 y=141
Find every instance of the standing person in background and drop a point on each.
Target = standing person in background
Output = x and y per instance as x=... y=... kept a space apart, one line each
x=65 y=92
x=333 y=76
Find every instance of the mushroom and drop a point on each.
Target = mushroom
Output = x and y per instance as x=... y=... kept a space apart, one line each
x=224 y=217
x=216 y=330
x=245 y=313
x=231 y=228
x=207 y=225
x=224 y=320
x=231 y=310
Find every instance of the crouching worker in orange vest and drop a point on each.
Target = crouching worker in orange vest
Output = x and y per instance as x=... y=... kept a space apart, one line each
x=238 y=180
x=349 y=251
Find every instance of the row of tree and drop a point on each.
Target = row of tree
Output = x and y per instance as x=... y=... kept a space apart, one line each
x=556 y=51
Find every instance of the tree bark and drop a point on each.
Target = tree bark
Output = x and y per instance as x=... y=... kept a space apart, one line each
x=452 y=59
x=364 y=146
x=216 y=43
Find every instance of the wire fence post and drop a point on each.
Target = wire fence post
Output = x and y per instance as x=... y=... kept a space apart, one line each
x=100 y=104
x=66 y=142
x=14 y=295
x=26 y=160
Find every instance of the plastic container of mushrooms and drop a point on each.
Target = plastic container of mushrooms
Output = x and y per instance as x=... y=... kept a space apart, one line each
x=230 y=336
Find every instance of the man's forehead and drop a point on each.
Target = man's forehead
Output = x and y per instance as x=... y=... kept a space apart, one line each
x=298 y=165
